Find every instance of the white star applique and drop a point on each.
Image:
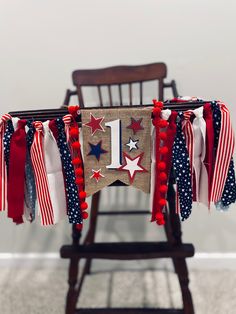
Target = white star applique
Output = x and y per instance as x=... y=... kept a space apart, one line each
x=132 y=144
x=132 y=165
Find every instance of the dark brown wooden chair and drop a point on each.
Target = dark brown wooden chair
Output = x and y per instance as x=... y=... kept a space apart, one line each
x=173 y=248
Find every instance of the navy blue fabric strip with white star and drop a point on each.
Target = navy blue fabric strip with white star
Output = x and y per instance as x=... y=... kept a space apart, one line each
x=7 y=141
x=30 y=187
x=229 y=192
x=74 y=212
x=182 y=171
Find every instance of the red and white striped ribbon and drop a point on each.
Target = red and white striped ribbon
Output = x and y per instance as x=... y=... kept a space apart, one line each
x=224 y=154
x=3 y=172
x=188 y=134
x=42 y=187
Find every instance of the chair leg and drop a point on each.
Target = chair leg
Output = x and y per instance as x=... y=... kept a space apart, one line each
x=182 y=272
x=174 y=236
x=92 y=227
x=71 y=299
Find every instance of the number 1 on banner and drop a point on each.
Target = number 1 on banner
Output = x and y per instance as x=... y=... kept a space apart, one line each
x=115 y=144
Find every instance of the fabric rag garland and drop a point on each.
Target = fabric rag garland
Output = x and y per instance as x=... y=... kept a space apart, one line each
x=201 y=155
x=41 y=160
x=44 y=160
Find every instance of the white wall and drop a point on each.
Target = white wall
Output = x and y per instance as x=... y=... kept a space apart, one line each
x=41 y=42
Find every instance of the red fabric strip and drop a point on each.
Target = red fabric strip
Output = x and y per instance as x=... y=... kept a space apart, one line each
x=16 y=180
x=209 y=158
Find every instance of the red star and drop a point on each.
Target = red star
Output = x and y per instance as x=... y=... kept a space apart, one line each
x=132 y=165
x=135 y=125
x=96 y=175
x=95 y=124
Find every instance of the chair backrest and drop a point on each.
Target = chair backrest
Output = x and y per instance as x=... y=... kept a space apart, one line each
x=119 y=76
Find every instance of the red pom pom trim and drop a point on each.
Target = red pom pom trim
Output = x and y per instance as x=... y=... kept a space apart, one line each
x=82 y=194
x=163 y=176
x=164 y=150
x=73 y=110
x=76 y=161
x=161 y=165
x=79 y=172
x=156 y=111
x=159 y=215
x=163 y=188
x=160 y=222
x=79 y=227
x=163 y=123
x=162 y=202
x=79 y=181
x=157 y=103
x=84 y=206
x=84 y=215
x=163 y=136
x=74 y=132
x=76 y=145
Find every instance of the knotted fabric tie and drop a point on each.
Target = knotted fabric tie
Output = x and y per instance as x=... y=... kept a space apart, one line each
x=3 y=173
x=54 y=174
x=73 y=202
x=182 y=170
x=209 y=156
x=30 y=188
x=42 y=189
x=67 y=121
x=16 y=179
x=224 y=146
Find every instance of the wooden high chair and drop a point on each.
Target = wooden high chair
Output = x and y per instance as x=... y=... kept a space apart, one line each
x=173 y=248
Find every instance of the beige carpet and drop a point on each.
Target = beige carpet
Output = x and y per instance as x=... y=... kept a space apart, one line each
x=27 y=291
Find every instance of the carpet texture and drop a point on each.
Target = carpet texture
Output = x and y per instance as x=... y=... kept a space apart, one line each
x=37 y=291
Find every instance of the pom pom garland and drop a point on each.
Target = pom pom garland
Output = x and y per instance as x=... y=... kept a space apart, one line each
x=76 y=161
x=164 y=150
x=163 y=188
x=161 y=165
x=82 y=194
x=76 y=145
x=159 y=216
x=85 y=215
x=84 y=206
x=74 y=132
x=163 y=176
x=162 y=202
x=79 y=181
x=73 y=110
x=79 y=227
x=157 y=103
x=156 y=111
x=79 y=172
x=163 y=136
x=163 y=123
x=160 y=168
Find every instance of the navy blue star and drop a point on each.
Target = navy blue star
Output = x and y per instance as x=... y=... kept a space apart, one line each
x=96 y=150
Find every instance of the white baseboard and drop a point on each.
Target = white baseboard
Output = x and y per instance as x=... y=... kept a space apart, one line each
x=201 y=260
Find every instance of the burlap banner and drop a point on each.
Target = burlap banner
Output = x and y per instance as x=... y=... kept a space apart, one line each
x=116 y=146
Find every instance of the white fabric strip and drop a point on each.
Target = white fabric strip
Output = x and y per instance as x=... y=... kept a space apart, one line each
x=199 y=131
x=54 y=173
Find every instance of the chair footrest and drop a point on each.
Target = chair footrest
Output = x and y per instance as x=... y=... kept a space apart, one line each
x=128 y=311
x=128 y=251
